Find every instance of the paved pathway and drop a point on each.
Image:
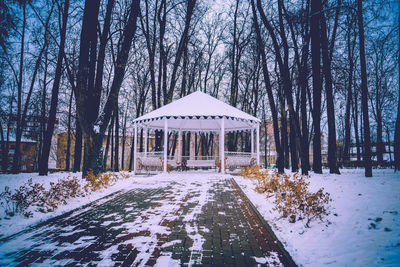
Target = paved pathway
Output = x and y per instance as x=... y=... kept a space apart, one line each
x=176 y=223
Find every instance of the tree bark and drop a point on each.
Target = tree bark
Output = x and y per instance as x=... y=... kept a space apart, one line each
x=364 y=93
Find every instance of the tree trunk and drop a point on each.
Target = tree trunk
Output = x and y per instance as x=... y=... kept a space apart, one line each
x=267 y=81
x=124 y=140
x=78 y=146
x=151 y=46
x=68 y=154
x=44 y=161
x=380 y=149
x=293 y=148
x=107 y=145
x=283 y=63
x=332 y=150
x=4 y=161
x=132 y=151
x=16 y=164
x=347 y=136
x=4 y=153
x=316 y=9
x=389 y=145
x=355 y=118
x=98 y=86
x=112 y=141
x=93 y=131
x=305 y=154
x=397 y=127
x=284 y=130
x=364 y=93
x=116 y=155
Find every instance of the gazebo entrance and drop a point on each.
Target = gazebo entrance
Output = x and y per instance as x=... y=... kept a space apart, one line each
x=197 y=112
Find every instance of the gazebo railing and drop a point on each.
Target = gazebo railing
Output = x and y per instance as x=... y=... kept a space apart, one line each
x=154 y=154
x=199 y=157
x=240 y=154
x=160 y=154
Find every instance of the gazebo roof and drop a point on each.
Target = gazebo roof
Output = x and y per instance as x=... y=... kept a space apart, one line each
x=198 y=112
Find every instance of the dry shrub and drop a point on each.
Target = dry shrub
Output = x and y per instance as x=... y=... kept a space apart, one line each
x=251 y=171
x=59 y=192
x=292 y=197
x=124 y=175
x=99 y=181
x=46 y=200
x=23 y=197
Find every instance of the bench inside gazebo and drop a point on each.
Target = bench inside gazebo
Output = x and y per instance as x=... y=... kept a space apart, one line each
x=197 y=112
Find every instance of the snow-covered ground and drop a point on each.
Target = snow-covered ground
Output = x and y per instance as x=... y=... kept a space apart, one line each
x=365 y=221
x=364 y=227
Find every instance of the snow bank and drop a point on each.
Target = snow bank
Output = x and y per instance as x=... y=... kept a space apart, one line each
x=18 y=222
x=364 y=227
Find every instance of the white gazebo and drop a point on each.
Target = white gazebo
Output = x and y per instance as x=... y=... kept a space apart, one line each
x=197 y=112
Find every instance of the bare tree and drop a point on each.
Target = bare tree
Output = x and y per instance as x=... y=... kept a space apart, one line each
x=326 y=58
x=270 y=94
x=93 y=129
x=349 y=101
x=316 y=9
x=44 y=160
x=364 y=93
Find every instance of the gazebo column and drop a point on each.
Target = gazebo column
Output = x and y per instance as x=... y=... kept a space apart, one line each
x=179 y=146
x=135 y=149
x=145 y=142
x=252 y=141
x=222 y=145
x=165 y=144
x=258 y=143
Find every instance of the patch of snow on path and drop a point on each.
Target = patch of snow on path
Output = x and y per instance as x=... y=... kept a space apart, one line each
x=365 y=220
x=192 y=229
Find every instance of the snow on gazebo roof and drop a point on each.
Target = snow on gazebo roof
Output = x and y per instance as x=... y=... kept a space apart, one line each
x=198 y=112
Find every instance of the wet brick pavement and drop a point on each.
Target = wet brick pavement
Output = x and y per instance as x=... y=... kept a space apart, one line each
x=137 y=227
